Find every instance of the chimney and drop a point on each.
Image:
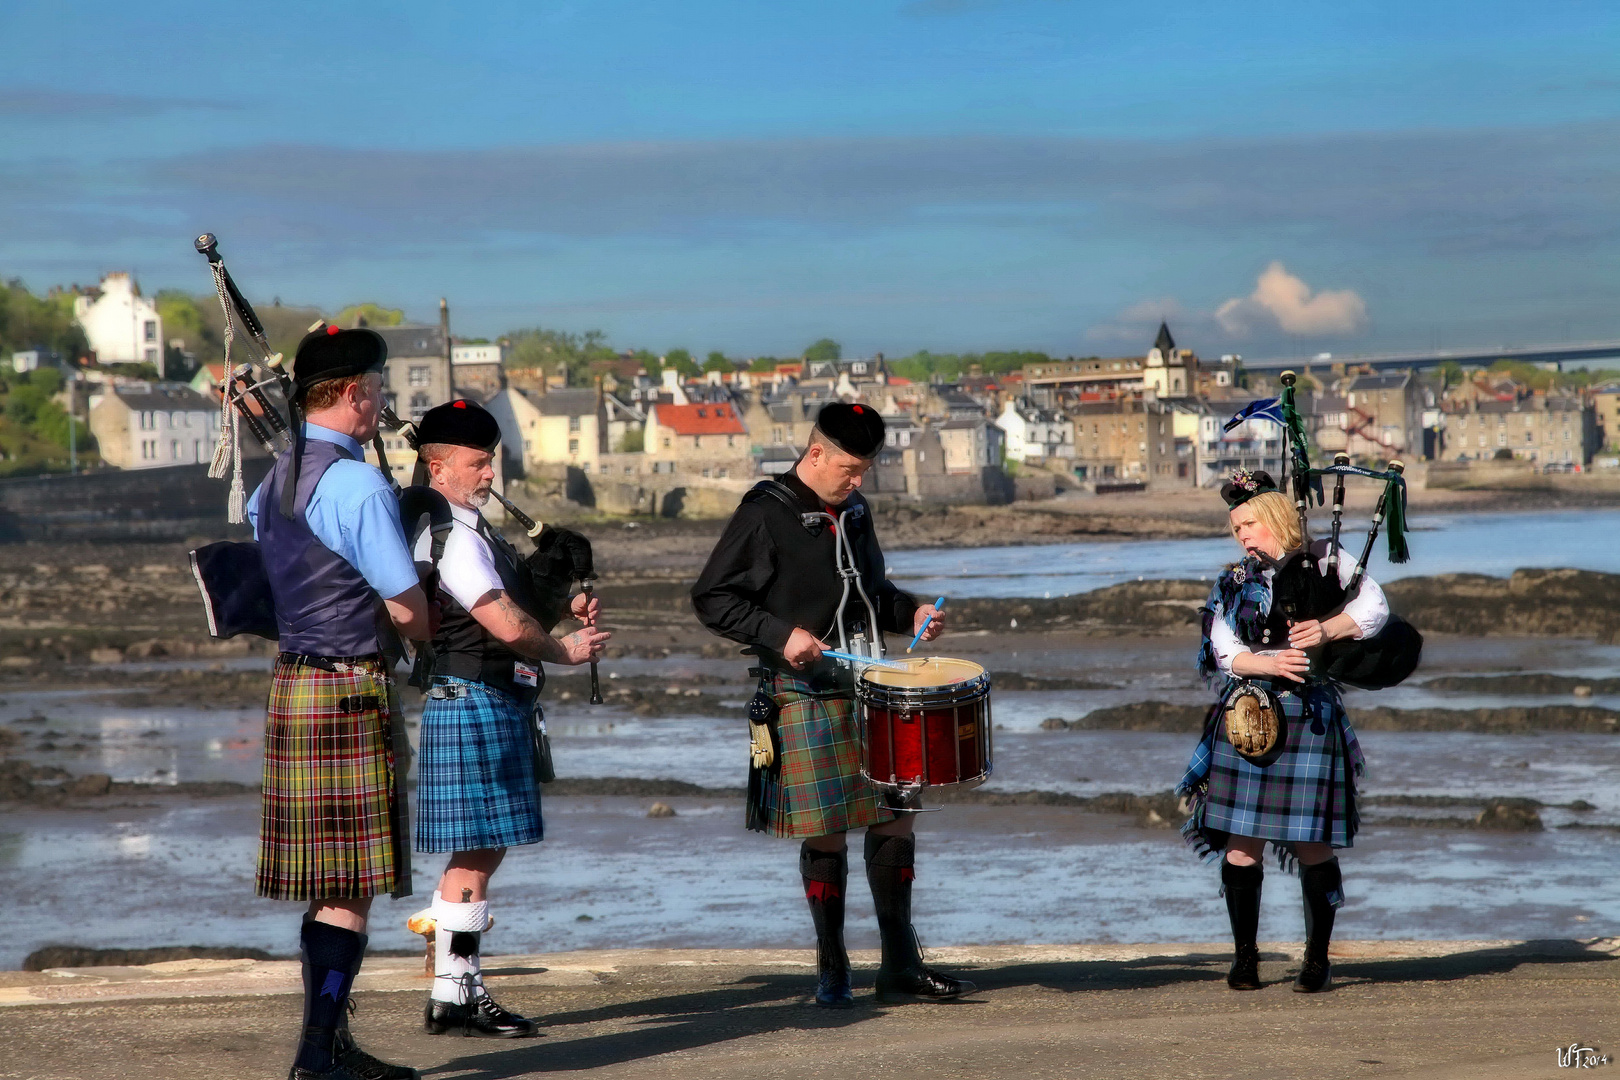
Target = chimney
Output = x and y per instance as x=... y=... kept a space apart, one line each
x=444 y=326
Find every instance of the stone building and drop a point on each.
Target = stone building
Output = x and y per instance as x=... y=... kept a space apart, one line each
x=1548 y=429
x=1383 y=416
x=1036 y=436
x=1131 y=438
x=477 y=372
x=149 y=425
x=708 y=439
x=417 y=376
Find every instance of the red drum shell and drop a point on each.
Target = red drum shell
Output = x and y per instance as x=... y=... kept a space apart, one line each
x=929 y=726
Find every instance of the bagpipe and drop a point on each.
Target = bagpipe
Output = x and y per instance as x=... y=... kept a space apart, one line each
x=1304 y=588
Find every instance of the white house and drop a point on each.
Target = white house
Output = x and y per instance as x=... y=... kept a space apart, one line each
x=122 y=326
x=1035 y=435
x=146 y=425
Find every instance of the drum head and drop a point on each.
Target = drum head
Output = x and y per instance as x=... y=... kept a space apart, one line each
x=922 y=671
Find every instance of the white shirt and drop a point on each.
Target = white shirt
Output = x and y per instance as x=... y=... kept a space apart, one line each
x=467 y=569
x=1368 y=608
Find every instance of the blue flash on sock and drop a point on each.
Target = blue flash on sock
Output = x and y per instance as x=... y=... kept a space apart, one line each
x=333 y=986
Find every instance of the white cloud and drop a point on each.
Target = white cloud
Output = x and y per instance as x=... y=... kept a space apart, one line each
x=1282 y=300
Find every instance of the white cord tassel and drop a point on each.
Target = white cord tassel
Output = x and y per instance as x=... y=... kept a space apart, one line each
x=236 y=508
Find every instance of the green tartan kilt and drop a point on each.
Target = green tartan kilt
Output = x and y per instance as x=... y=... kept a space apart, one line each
x=818 y=789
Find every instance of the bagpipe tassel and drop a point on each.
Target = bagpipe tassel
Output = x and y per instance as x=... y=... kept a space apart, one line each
x=1395 y=517
x=236 y=507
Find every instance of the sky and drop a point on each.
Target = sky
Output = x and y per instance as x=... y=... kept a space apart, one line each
x=1274 y=179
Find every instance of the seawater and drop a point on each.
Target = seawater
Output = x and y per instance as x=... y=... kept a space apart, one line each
x=1495 y=544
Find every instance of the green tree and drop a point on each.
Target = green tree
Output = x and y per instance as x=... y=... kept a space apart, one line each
x=632 y=442
x=28 y=322
x=717 y=361
x=824 y=349
x=373 y=314
x=681 y=361
x=763 y=364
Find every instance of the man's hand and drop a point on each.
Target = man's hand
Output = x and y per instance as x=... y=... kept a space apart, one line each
x=585 y=608
x=935 y=628
x=583 y=646
x=803 y=648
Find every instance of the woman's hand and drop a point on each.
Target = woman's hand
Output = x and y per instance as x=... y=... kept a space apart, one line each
x=1288 y=664
x=1307 y=634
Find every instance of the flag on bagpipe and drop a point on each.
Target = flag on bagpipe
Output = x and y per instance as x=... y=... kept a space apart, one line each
x=1263 y=409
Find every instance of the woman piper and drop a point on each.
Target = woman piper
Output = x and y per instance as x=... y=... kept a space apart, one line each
x=1278 y=761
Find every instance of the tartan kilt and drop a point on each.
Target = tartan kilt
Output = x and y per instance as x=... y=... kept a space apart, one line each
x=1306 y=795
x=475 y=777
x=818 y=788
x=332 y=821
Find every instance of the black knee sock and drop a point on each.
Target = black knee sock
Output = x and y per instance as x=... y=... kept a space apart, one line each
x=1322 y=887
x=826 y=875
x=1242 y=887
x=889 y=870
x=331 y=957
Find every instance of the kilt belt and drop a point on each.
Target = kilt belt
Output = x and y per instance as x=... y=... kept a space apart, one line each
x=818 y=789
x=334 y=818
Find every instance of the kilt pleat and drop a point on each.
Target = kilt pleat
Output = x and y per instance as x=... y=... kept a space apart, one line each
x=475 y=781
x=819 y=788
x=328 y=825
x=1306 y=795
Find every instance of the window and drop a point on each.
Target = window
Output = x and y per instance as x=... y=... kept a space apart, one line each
x=419 y=406
x=174 y=449
x=604 y=469
x=573 y=447
x=1501 y=438
x=697 y=441
x=573 y=423
x=666 y=442
x=150 y=356
x=148 y=421
x=731 y=440
x=177 y=419
x=421 y=375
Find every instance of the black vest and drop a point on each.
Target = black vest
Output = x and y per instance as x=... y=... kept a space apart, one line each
x=465 y=650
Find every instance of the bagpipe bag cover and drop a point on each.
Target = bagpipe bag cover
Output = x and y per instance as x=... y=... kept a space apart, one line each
x=235 y=589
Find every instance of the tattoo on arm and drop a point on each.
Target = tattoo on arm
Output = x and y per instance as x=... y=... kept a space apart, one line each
x=534 y=641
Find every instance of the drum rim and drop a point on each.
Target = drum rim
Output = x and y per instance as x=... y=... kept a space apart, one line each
x=956 y=693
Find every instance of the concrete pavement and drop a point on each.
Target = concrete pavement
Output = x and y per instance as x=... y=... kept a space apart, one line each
x=1400 y=1009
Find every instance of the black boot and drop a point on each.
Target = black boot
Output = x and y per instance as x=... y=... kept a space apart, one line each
x=362 y=1065
x=902 y=976
x=1322 y=887
x=1242 y=887
x=477 y=1014
x=826 y=874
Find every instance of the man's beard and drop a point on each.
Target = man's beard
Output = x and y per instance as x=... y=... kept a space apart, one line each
x=474 y=498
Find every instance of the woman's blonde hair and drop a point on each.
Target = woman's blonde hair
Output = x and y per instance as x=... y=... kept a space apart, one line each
x=1274 y=510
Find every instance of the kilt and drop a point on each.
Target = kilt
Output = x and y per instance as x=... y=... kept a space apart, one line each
x=818 y=788
x=475 y=782
x=333 y=821
x=1308 y=794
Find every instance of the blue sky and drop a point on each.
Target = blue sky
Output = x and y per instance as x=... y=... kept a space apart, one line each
x=941 y=174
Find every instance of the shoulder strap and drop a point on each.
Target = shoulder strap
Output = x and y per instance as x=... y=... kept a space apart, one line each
x=416 y=503
x=775 y=489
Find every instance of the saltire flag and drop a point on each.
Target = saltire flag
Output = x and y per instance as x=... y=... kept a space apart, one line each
x=1263 y=409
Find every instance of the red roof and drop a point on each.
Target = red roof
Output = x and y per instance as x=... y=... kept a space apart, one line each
x=719 y=419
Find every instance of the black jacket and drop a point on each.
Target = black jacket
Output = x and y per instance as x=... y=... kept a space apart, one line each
x=769 y=574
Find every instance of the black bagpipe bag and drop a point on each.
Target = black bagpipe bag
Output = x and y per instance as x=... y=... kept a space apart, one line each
x=1376 y=663
x=235 y=589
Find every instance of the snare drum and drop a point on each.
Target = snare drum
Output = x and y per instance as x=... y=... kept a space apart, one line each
x=927 y=725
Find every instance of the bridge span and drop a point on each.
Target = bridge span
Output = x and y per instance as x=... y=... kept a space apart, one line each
x=1536 y=354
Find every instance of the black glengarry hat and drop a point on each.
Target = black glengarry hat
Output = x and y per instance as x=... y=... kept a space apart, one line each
x=854 y=429
x=332 y=352
x=1245 y=485
x=459 y=423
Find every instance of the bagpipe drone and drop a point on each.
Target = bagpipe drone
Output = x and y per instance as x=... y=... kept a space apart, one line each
x=1301 y=590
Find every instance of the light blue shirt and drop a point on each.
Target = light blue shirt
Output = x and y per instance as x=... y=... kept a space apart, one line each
x=353 y=511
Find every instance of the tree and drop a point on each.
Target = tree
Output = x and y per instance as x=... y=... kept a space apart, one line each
x=373 y=314
x=632 y=442
x=763 y=364
x=717 y=362
x=681 y=361
x=824 y=349
x=29 y=322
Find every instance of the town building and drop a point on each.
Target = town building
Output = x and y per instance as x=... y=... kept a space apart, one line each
x=1383 y=416
x=1130 y=438
x=1036 y=436
x=150 y=425
x=1167 y=372
x=1255 y=444
x=1606 y=414
x=417 y=375
x=1547 y=429
x=477 y=372
x=121 y=325
x=708 y=439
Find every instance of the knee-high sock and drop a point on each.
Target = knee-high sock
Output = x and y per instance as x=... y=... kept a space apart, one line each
x=456 y=941
x=1242 y=886
x=889 y=870
x=331 y=958
x=826 y=875
x=1322 y=887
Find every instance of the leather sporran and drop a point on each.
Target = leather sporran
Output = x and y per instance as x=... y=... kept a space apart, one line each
x=1253 y=723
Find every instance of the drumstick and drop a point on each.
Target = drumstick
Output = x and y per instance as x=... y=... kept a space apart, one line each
x=939 y=605
x=892 y=665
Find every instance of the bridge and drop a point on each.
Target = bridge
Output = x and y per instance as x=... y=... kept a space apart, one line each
x=1535 y=354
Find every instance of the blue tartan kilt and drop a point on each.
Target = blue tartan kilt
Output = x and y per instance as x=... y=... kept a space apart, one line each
x=1308 y=794
x=475 y=786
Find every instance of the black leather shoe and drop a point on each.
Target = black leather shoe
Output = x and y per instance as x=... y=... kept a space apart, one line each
x=482 y=1018
x=337 y=1072
x=920 y=984
x=365 y=1067
x=832 y=991
x=1315 y=976
x=1245 y=973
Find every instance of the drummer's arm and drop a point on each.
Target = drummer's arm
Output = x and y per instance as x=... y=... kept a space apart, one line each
x=739 y=571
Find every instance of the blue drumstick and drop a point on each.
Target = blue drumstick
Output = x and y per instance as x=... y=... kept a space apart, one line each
x=939 y=605
x=856 y=659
